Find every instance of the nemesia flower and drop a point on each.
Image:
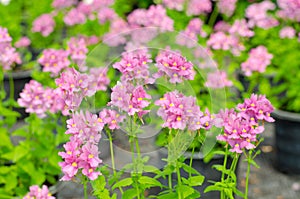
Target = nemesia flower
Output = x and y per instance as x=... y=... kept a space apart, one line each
x=23 y=42
x=8 y=57
x=112 y=118
x=258 y=60
x=289 y=9
x=36 y=99
x=54 y=61
x=287 y=32
x=157 y=15
x=180 y=112
x=240 y=28
x=258 y=16
x=241 y=128
x=129 y=98
x=198 y=7
x=77 y=50
x=174 y=66
x=4 y=36
x=100 y=79
x=106 y=14
x=38 y=193
x=44 y=24
x=221 y=41
x=174 y=4
x=222 y=26
x=218 y=79
x=117 y=33
x=59 y=4
x=226 y=7
x=134 y=66
x=74 y=17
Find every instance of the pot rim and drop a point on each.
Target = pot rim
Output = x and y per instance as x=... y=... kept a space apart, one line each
x=19 y=74
x=285 y=115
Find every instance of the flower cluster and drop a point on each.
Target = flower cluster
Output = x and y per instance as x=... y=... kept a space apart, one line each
x=38 y=193
x=8 y=54
x=258 y=60
x=134 y=66
x=54 y=61
x=23 y=42
x=218 y=79
x=189 y=37
x=241 y=128
x=174 y=66
x=240 y=28
x=287 y=32
x=196 y=7
x=77 y=50
x=44 y=24
x=257 y=14
x=174 y=4
x=99 y=78
x=37 y=99
x=226 y=7
x=130 y=99
x=73 y=87
x=180 y=112
x=289 y=9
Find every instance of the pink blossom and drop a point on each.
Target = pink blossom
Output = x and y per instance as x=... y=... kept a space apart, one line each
x=222 y=26
x=287 y=32
x=59 y=4
x=44 y=24
x=4 y=36
x=106 y=14
x=221 y=41
x=174 y=66
x=74 y=17
x=77 y=50
x=258 y=16
x=240 y=28
x=23 y=42
x=226 y=7
x=258 y=60
x=100 y=78
x=112 y=118
x=174 y=4
x=218 y=79
x=198 y=7
x=9 y=57
x=54 y=61
x=36 y=99
x=117 y=33
x=157 y=16
x=289 y=9
x=38 y=193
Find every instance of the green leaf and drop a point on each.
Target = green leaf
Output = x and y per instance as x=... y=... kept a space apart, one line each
x=123 y=183
x=184 y=190
x=213 y=188
x=151 y=169
x=189 y=169
x=196 y=180
x=145 y=180
x=171 y=195
x=11 y=182
x=129 y=194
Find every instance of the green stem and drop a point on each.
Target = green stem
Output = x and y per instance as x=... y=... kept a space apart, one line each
x=178 y=178
x=11 y=88
x=170 y=182
x=112 y=152
x=85 y=189
x=224 y=168
x=247 y=177
x=191 y=161
x=213 y=16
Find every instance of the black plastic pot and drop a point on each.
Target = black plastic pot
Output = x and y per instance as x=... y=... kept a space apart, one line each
x=287 y=134
x=205 y=169
x=20 y=78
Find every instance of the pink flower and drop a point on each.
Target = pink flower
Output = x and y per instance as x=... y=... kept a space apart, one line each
x=112 y=118
x=221 y=41
x=289 y=9
x=174 y=4
x=226 y=7
x=100 y=79
x=258 y=60
x=258 y=16
x=9 y=57
x=44 y=24
x=222 y=26
x=287 y=32
x=36 y=99
x=117 y=33
x=240 y=28
x=157 y=16
x=38 y=193
x=78 y=50
x=54 y=61
x=23 y=42
x=74 y=17
x=218 y=79
x=89 y=154
x=174 y=66
x=4 y=36
x=59 y=4
x=106 y=14
x=198 y=7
